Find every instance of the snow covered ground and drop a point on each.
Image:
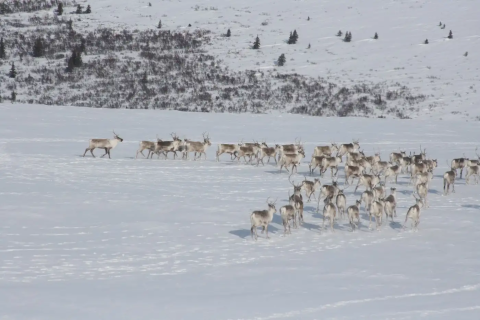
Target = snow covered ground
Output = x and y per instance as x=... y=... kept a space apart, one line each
x=85 y=238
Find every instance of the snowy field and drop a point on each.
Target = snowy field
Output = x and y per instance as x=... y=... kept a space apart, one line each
x=85 y=238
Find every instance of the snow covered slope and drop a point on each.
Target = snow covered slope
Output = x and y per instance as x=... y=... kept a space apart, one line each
x=85 y=238
x=438 y=69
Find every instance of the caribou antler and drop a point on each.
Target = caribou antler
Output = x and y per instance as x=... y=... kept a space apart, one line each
x=477 y=153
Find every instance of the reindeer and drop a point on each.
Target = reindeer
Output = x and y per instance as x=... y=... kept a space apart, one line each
x=422 y=191
x=405 y=163
x=341 y=202
x=380 y=166
x=424 y=177
x=458 y=164
x=391 y=204
x=395 y=157
x=310 y=187
x=367 y=199
x=393 y=171
x=474 y=162
x=228 y=148
x=379 y=191
x=289 y=148
x=266 y=151
x=329 y=212
x=325 y=151
x=355 y=156
x=331 y=162
x=431 y=164
x=316 y=162
x=245 y=151
x=414 y=213
x=372 y=160
x=288 y=213
x=107 y=144
x=261 y=218
x=376 y=211
x=348 y=147
x=416 y=158
x=199 y=147
x=449 y=179
x=354 y=213
x=368 y=180
x=352 y=172
x=146 y=145
x=291 y=159
x=165 y=147
x=416 y=168
x=328 y=191
x=472 y=171
x=296 y=199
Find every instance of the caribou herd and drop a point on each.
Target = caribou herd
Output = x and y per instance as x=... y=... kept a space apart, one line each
x=371 y=173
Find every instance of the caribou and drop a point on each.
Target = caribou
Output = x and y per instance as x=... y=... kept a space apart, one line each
x=422 y=191
x=165 y=147
x=316 y=161
x=332 y=163
x=310 y=187
x=414 y=213
x=198 y=147
x=368 y=180
x=266 y=151
x=352 y=172
x=228 y=148
x=291 y=159
x=449 y=180
x=354 y=213
x=325 y=151
x=246 y=151
x=348 y=147
x=329 y=212
x=367 y=199
x=341 y=202
x=472 y=171
x=288 y=213
x=261 y=218
x=107 y=144
x=328 y=191
x=458 y=164
x=395 y=157
x=289 y=148
x=393 y=171
x=391 y=204
x=376 y=211
x=146 y=145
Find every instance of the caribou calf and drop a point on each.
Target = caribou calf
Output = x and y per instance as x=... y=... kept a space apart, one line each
x=393 y=171
x=107 y=144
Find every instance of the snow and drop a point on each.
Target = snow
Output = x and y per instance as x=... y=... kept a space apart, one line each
x=152 y=239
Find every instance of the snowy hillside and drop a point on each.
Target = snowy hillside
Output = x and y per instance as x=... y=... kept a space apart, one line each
x=129 y=63
x=85 y=238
